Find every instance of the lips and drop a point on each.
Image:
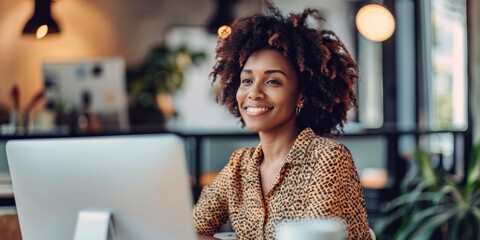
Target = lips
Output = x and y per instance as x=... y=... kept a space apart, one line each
x=257 y=110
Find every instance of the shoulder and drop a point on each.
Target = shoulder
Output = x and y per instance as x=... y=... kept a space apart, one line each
x=323 y=144
x=331 y=151
x=237 y=163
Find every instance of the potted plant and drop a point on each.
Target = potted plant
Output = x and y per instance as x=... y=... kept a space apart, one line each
x=150 y=86
x=433 y=204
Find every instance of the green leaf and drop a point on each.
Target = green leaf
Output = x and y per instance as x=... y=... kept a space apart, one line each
x=462 y=227
x=454 y=228
x=409 y=199
x=457 y=195
x=474 y=165
x=429 y=174
x=428 y=223
x=473 y=196
x=476 y=212
x=409 y=178
x=382 y=225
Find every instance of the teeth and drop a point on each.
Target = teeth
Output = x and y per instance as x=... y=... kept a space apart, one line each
x=256 y=109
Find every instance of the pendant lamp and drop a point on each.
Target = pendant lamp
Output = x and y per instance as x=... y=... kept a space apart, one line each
x=42 y=22
x=375 y=22
x=223 y=17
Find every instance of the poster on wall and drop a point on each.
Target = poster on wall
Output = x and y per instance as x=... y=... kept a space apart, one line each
x=93 y=86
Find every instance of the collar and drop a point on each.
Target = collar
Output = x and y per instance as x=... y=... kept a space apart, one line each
x=299 y=148
x=301 y=144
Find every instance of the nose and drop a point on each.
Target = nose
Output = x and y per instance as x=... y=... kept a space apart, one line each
x=256 y=93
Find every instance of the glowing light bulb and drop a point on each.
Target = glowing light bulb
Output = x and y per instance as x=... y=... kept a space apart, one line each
x=224 y=31
x=42 y=31
x=375 y=22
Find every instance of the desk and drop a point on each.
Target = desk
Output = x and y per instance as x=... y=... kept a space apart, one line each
x=9 y=225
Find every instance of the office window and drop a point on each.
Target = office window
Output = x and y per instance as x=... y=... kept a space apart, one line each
x=445 y=41
x=444 y=87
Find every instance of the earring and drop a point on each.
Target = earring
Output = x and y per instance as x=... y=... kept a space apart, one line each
x=298 y=109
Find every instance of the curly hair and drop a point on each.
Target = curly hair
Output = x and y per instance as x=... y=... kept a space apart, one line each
x=326 y=71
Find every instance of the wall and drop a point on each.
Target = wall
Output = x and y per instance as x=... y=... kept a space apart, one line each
x=90 y=28
x=85 y=33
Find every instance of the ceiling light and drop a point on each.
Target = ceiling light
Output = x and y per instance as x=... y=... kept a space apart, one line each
x=375 y=22
x=42 y=22
x=224 y=31
x=224 y=15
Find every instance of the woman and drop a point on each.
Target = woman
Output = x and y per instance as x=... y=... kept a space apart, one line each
x=290 y=83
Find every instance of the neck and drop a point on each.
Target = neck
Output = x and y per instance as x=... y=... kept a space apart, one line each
x=275 y=146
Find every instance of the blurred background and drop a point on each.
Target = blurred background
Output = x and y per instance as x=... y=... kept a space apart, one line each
x=91 y=67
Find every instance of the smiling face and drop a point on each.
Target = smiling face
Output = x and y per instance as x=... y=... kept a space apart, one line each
x=268 y=93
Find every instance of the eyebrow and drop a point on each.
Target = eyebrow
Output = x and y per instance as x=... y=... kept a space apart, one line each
x=266 y=72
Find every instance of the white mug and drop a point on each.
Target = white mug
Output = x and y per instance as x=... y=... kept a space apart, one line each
x=314 y=229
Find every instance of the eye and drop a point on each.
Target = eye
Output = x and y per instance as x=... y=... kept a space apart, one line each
x=272 y=81
x=246 y=81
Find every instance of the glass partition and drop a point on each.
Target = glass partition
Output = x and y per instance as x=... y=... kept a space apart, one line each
x=445 y=59
x=444 y=103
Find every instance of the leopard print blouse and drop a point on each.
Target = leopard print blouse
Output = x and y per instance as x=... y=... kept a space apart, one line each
x=318 y=179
